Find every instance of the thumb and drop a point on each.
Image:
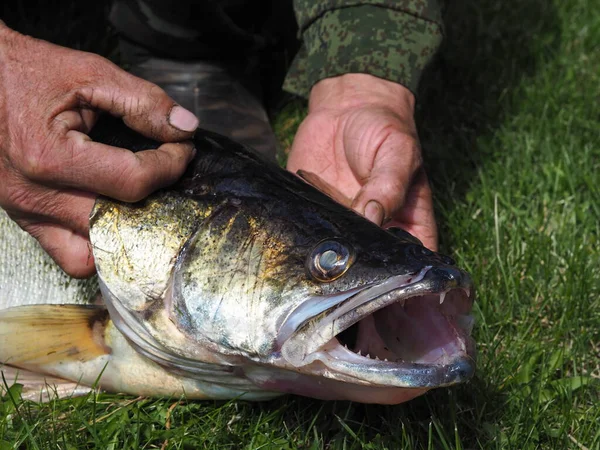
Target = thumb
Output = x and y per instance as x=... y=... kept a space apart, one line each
x=416 y=215
x=142 y=105
x=408 y=206
x=386 y=187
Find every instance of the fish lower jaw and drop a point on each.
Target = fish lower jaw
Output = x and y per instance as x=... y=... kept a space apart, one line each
x=342 y=362
x=419 y=342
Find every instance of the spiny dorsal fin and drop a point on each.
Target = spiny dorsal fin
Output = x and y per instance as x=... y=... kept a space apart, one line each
x=44 y=334
x=325 y=187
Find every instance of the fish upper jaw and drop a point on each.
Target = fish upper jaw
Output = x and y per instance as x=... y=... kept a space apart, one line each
x=407 y=332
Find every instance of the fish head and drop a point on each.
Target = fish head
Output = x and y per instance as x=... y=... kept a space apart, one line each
x=264 y=275
x=373 y=313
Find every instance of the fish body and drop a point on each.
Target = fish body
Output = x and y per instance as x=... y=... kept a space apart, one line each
x=244 y=281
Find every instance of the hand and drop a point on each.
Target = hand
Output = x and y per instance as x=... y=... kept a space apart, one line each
x=50 y=169
x=360 y=136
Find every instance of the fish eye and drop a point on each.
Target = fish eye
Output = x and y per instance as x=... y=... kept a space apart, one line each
x=329 y=260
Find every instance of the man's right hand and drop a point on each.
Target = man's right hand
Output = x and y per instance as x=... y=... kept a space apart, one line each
x=50 y=170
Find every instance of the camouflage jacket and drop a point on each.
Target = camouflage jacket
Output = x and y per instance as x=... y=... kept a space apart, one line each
x=391 y=39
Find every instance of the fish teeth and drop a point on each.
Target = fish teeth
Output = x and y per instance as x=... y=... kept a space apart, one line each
x=442 y=297
x=368 y=355
x=385 y=359
x=359 y=353
x=376 y=357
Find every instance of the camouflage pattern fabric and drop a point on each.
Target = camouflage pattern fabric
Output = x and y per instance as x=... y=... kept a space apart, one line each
x=308 y=11
x=393 y=40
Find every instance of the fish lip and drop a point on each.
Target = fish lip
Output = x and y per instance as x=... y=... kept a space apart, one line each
x=342 y=363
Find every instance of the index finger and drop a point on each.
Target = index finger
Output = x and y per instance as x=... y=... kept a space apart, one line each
x=112 y=171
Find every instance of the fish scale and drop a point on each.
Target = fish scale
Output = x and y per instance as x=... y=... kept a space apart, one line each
x=29 y=276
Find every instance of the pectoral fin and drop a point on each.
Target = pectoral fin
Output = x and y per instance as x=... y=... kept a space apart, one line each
x=39 y=335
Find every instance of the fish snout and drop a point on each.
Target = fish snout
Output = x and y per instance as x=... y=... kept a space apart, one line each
x=444 y=278
x=460 y=371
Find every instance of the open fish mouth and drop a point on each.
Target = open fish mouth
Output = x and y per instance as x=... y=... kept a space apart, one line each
x=409 y=331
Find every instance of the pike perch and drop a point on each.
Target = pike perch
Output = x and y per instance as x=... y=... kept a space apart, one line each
x=241 y=281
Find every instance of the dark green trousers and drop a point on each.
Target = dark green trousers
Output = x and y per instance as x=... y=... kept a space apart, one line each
x=256 y=35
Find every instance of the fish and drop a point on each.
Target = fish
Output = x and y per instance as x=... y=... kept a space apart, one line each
x=242 y=280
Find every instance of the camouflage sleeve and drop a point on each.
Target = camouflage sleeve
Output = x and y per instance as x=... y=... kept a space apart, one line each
x=391 y=39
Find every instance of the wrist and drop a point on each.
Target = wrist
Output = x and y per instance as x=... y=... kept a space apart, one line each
x=354 y=90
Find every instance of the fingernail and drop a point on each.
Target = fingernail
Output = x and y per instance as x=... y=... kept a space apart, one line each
x=182 y=119
x=374 y=212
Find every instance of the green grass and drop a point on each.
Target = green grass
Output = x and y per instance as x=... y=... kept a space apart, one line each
x=509 y=117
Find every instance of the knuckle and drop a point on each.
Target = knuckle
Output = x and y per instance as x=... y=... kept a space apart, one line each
x=155 y=95
x=391 y=190
x=173 y=156
x=142 y=107
x=404 y=138
x=32 y=164
x=96 y=65
x=148 y=97
x=154 y=169
x=141 y=185
x=92 y=68
x=46 y=161
x=136 y=184
x=128 y=105
x=146 y=108
x=404 y=151
x=137 y=104
x=86 y=95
